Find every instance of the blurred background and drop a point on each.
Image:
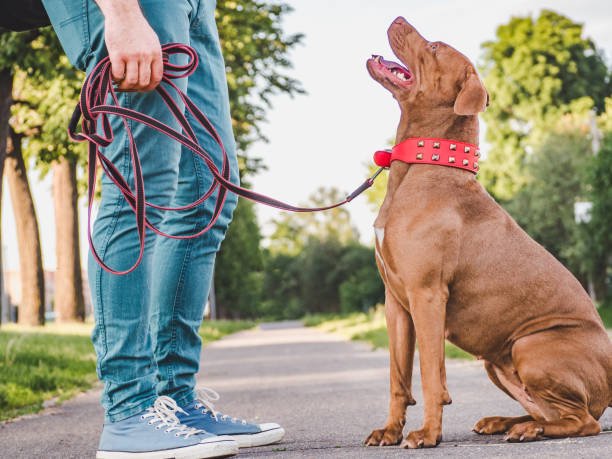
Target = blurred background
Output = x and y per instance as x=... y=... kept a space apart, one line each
x=307 y=119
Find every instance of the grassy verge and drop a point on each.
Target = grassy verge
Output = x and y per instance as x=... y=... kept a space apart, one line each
x=58 y=361
x=369 y=327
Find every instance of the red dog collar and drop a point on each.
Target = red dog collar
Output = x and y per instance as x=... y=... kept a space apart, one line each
x=440 y=152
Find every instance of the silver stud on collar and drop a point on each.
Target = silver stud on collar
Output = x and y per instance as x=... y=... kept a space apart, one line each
x=436 y=144
x=477 y=153
x=435 y=157
x=475 y=165
x=453 y=146
x=420 y=143
x=419 y=156
x=466 y=162
x=466 y=149
x=451 y=159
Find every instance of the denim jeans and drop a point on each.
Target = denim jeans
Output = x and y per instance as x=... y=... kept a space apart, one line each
x=146 y=322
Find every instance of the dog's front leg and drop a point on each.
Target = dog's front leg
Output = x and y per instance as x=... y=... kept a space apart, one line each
x=401 y=349
x=428 y=310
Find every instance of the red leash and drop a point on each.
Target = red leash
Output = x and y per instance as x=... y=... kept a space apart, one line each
x=94 y=108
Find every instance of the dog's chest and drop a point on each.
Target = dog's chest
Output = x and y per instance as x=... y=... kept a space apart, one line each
x=380 y=237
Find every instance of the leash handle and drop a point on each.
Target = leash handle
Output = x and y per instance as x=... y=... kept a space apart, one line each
x=98 y=101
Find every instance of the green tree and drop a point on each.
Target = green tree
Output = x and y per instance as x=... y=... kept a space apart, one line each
x=255 y=50
x=294 y=230
x=18 y=51
x=555 y=180
x=534 y=70
x=46 y=99
x=363 y=287
x=238 y=275
x=596 y=249
x=281 y=293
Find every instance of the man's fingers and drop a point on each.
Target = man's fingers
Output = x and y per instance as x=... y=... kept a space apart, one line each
x=131 y=75
x=157 y=71
x=144 y=74
x=117 y=70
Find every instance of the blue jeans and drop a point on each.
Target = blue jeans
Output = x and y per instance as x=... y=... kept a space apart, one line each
x=146 y=322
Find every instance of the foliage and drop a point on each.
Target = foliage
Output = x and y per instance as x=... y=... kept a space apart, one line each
x=596 y=237
x=605 y=311
x=326 y=276
x=315 y=263
x=45 y=99
x=239 y=264
x=535 y=70
x=256 y=53
x=554 y=181
x=294 y=230
x=363 y=286
x=281 y=287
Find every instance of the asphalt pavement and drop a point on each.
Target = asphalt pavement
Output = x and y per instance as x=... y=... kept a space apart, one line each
x=328 y=394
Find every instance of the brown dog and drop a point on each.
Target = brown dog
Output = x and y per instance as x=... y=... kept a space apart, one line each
x=456 y=265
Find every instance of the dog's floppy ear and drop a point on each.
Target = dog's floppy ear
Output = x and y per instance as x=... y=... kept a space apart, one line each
x=473 y=97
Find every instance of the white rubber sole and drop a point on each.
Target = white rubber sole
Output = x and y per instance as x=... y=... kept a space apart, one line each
x=222 y=446
x=271 y=433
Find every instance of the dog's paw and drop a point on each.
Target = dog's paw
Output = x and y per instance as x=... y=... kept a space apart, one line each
x=492 y=425
x=525 y=431
x=423 y=438
x=384 y=437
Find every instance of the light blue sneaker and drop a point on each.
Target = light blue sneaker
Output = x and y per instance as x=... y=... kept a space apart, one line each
x=201 y=414
x=157 y=433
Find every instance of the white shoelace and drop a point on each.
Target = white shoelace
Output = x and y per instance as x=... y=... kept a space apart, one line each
x=163 y=414
x=204 y=398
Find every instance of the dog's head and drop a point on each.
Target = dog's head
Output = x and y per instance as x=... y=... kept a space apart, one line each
x=435 y=76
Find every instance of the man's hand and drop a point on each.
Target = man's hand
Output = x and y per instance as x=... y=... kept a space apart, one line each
x=133 y=46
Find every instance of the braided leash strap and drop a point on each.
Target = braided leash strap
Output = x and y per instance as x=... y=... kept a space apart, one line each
x=98 y=101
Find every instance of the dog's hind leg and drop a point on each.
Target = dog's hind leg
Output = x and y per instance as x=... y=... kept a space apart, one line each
x=566 y=382
x=401 y=348
x=497 y=424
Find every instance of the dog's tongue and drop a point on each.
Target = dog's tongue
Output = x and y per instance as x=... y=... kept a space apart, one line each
x=395 y=66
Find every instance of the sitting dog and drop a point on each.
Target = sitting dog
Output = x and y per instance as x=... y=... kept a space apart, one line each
x=456 y=266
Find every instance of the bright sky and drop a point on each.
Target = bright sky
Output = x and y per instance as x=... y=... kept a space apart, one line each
x=327 y=137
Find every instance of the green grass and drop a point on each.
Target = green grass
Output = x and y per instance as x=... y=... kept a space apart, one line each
x=214 y=330
x=58 y=361
x=35 y=367
x=369 y=327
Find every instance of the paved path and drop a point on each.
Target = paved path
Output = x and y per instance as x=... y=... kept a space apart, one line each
x=327 y=393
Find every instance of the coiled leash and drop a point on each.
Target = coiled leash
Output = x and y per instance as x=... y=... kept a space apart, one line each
x=98 y=101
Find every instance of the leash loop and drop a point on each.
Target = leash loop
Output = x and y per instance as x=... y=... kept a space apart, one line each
x=99 y=101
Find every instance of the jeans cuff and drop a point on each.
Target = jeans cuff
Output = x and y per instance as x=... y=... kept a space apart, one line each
x=131 y=411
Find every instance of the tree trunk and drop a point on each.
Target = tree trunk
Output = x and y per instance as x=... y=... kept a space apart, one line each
x=69 y=304
x=32 y=306
x=6 y=91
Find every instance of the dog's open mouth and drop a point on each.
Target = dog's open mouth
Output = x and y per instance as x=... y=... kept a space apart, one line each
x=396 y=73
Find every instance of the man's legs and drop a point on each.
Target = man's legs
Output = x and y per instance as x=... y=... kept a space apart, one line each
x=138 y=422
